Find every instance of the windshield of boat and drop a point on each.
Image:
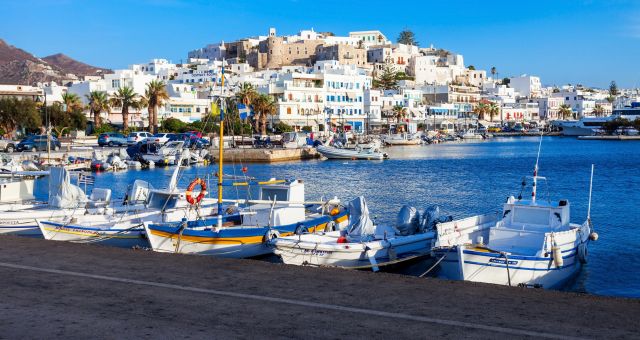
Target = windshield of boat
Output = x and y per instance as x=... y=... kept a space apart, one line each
x=527 y=215
x=280 y=194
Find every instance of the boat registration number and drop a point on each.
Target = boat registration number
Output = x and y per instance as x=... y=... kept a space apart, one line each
x=317 y=252
x=502 y=261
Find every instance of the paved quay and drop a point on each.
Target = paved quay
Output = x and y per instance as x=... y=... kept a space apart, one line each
x=56 y=289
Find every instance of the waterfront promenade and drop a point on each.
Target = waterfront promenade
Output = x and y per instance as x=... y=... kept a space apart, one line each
x=58 y=289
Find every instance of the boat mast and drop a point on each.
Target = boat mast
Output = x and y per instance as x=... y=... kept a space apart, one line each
x=221 y=148
x=535 y=173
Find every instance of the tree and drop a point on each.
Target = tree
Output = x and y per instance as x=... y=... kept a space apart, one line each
x=471 y=67
x=264 y=106
x=19 y=113
x=407 y=37
x=155 y=95
x=125 y=98
x=565 y=111
x=71 y=102
x=598 y=110
x=482 y=109
x=62 y=119
x=399 y=112
x=494 y=71
x=494 y=110
x=98 y=102
x=388 y=79
x=613 y=91
x=246 y=93
x=173 y=125
x=506 y=81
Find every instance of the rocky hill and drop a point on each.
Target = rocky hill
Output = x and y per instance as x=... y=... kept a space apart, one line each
x=18 y=66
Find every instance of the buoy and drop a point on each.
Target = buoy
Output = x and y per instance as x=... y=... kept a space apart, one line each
x=334 y=211
x=342 y=239
x=557 y=256
x=593 y=236
x=245 y=169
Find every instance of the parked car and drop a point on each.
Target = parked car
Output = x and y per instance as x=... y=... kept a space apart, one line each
x=136 y=137
x=160 y=138
x=38 y=143
x=190 y=140
x=494 y=129
x=518 y=128
x=198 y=134
x=111 y=139
x=7 y=145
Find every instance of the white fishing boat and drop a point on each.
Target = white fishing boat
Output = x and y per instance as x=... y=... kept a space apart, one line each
x=363 y=244
x=531 y=243
x=333 y=152
x=244 y=227
x=168 y=154
x=402 y=139
x=471 y=134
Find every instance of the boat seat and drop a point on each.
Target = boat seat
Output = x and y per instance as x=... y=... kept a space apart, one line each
x=100 y=197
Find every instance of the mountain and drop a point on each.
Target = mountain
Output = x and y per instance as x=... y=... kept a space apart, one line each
x=69 y=65
x=20 y=67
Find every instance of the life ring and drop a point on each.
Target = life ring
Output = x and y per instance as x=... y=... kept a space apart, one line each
x=203 y=191
x=582 y=253
x=301 y=229
x=270 y=235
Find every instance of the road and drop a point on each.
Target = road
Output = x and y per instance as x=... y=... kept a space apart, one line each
x=62 y=290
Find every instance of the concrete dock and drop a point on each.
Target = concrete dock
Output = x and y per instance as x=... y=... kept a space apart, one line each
x=265 y=155
x=63 y=290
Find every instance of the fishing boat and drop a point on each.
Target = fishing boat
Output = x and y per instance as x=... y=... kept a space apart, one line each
x=335 y=152
x=531 y=243
x=471 y=134
x=402 y=139
x=243 y=227
x=167 y=154
x=363 y=244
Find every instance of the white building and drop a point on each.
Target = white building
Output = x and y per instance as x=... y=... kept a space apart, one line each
x=370 y=38
x=527 y=86
x=576 y=100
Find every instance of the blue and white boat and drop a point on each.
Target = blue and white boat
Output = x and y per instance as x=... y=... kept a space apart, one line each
x=531 y=243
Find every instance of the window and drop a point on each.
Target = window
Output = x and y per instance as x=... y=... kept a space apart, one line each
x=115 y=83
x=288 y=110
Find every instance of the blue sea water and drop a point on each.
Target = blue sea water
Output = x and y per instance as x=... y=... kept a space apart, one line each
x=468 y=178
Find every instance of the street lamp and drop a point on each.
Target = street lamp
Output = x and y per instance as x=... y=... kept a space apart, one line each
x=47 y=124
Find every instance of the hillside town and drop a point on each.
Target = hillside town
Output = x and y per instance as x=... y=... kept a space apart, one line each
x=318 y=81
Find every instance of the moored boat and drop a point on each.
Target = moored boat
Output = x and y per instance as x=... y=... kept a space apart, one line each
x=363 y=245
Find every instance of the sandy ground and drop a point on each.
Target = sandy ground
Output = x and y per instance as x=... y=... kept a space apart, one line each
x=136 y=293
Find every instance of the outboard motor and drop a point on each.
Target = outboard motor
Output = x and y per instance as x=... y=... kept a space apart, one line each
x=430 y=218
x=407 y=221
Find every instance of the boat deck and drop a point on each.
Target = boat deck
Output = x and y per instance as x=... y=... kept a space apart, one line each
x=58 y=289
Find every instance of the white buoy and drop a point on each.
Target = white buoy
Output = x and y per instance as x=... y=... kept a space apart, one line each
x=593 y=236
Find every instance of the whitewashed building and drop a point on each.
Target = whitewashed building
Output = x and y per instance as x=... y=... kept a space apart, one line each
x=526 y=85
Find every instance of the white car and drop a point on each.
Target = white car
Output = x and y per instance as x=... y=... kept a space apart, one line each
x=135 y=137
x=160 y=138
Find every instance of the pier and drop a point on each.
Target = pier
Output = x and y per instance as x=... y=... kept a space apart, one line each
x=252 y=155
x=59 y=289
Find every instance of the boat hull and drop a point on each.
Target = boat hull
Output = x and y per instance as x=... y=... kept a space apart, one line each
x=322 y=250
x=336 y=153
x=117 y=237
x=231 y=242
x=488 y=267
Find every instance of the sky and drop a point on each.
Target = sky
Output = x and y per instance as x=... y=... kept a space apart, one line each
x=561 y=41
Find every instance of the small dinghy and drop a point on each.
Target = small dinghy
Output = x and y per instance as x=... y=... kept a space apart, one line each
x=363 y=244
x=332 y=152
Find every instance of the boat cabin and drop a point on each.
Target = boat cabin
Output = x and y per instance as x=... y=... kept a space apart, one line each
x=288 y=207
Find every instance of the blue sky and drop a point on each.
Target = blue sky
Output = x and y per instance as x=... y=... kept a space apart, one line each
x=562 y=41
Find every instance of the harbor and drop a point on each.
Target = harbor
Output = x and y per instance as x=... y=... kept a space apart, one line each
x=124 y=292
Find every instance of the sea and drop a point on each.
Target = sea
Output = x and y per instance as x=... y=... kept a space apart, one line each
x=468 y=178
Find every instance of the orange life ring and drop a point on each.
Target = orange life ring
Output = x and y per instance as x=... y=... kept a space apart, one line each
x=203 y=191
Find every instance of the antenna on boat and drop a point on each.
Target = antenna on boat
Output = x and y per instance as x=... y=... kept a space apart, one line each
x=535 y=172
x=590 y=190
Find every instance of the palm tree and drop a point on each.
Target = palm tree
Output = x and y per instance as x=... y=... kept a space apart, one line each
x=155 y=95
x=98 y=102
x=494 y=110
x=598 y=110
x=71 y=101
x=493 y=72
x=125 y=98
x=565 y=111
x=246 y=93
x=482 y=109
x=399 y=112
x=264 y=106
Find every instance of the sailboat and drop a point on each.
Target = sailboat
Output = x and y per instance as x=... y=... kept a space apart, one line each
x=532 y=243
x=244 y=227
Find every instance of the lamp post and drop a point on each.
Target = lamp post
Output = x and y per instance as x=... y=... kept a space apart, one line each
x=47 y=124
